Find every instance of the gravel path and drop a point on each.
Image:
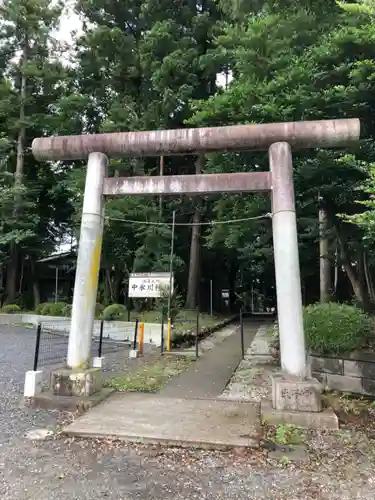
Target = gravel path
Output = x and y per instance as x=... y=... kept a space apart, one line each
x=341 y=466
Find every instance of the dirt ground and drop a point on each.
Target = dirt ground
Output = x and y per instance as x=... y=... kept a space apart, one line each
x=327 y=466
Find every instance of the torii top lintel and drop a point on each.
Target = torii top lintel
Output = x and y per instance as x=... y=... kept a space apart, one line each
x=300 y=135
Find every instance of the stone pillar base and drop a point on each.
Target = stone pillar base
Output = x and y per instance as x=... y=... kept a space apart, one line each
x=325 y=419
x=297 y=402
x=80 y=383
x=292 y=394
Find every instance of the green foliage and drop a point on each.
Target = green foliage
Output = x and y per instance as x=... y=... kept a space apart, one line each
x=334 y=328
x=161 y=303
x=142 y=65
x=11 y=309
x=361 y=7
x=39 y=308
x=287 y=434
x=114 y=312
x=53 y=309
x=99 y=309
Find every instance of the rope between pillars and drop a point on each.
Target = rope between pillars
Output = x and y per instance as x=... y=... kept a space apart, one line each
x=211 y=223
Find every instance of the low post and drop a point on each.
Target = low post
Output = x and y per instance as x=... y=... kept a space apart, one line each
x=133 y=353
x=242 y=334
x=162 y=331
x=98 y=362
x=88 y=263
x=141 y=337
x=169 y=335
x=101 y=339
x=292 y=390
x=128 y=308
x=37 y=346
x=34 y=378
x=211 y=300
x=197 y=335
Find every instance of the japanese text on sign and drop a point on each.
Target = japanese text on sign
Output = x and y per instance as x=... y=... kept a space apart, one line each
x=148 y=284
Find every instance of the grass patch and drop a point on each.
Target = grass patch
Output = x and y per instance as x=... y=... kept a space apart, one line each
x=286 y=434
x=186 y=320
x=151 y=377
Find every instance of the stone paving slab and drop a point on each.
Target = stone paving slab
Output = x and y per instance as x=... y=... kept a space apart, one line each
x=252 y=380
x=209 y=375
x=149 y=418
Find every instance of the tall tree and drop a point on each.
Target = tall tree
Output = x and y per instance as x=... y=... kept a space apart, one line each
x=300 y=64
x=140 y=64
x=194 y=264
x=34 y=77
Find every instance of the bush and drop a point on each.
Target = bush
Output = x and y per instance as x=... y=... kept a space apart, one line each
x=114 y=312
x=39 y=308
x=67 y=310
x=11 y=309
x=99 y=308
x=62 y=309
x=335 y=328
x=53 y=309
x=176 y=302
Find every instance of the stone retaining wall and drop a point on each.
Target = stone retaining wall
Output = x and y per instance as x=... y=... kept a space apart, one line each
x=354 y=372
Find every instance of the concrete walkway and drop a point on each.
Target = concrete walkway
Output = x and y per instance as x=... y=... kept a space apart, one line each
x=149 y=418
x=187 y=412
x=209 y=375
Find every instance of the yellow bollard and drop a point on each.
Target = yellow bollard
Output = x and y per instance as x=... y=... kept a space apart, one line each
x=169 y=335
x=141 y=337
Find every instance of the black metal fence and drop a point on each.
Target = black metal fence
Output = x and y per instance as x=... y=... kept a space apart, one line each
x=52 y=338
x=186 y=321
x=242 y=333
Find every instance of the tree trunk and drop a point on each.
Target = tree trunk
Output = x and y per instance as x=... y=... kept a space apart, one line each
x=22 y=130
x=107 y=287
x=161 y=172
x=36 y=288
x=336 y=273
x=325 y=264
x=21 y=278
x=116 y=280
x=369 y=282
x=12 y=271
x=193 y=280
x=1 y=285
x=11 y=279
x=358 y=287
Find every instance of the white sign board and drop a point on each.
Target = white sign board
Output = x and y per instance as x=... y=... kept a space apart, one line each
x=143 y=285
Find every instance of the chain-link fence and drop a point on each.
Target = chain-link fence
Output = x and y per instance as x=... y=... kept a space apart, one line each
x=52 y=338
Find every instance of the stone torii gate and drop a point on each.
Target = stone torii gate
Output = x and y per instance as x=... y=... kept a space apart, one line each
x=278 y=138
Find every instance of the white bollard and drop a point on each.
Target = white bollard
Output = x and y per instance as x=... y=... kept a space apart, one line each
x=98 y=362
x=33 y=383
